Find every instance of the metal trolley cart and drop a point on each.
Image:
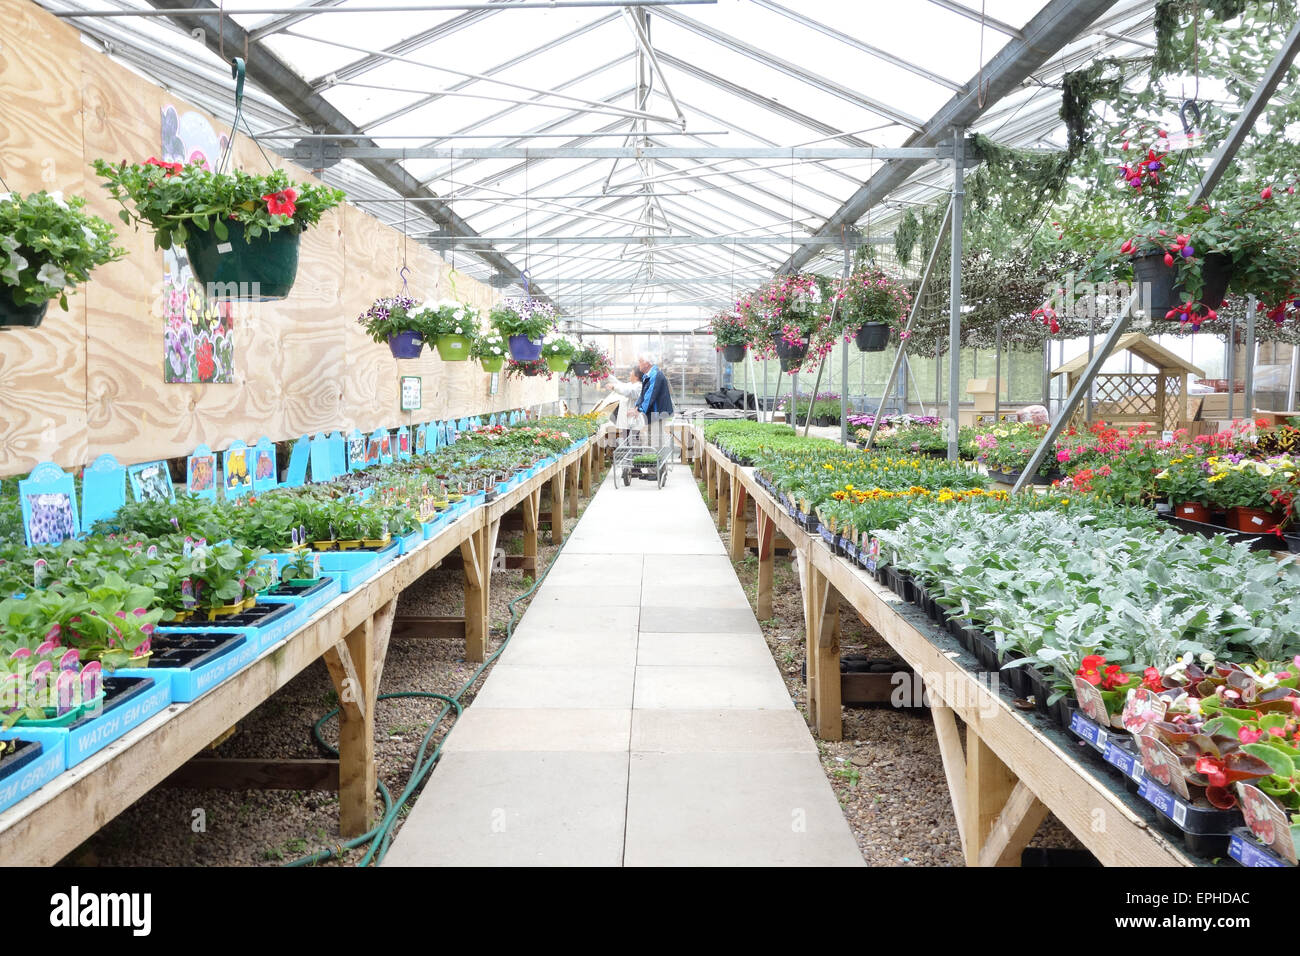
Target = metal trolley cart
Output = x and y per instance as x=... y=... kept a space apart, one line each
x=642 y=461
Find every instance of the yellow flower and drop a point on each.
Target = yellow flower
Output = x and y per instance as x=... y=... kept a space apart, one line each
x=1163 y=474
x=1218 y=477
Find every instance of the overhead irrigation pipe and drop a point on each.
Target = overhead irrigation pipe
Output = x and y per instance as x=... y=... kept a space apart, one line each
x=911 y=317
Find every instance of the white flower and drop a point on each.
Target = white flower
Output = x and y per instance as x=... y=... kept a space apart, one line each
x=1265 y=681
x=1176 y=669
x=57 y=196
x=1207 y=658
x=6 y=197
x=51 y=274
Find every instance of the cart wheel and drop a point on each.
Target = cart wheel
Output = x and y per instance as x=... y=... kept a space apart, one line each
x=663 y=476
x=627 y=477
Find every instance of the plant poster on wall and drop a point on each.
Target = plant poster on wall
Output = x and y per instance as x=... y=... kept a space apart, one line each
x=198 y=335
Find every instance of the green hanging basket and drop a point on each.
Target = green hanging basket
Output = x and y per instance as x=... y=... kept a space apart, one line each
x=452 y=348
x=492 y=363
x=262 y=269
x=13 y=315
x=557 y=363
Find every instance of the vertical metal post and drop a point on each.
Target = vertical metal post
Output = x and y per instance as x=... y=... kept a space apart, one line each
x=1231 y=370
x=1295 y=375
x=844 y=365
x=1249 y=398
x=997 y=373
x=954 y=296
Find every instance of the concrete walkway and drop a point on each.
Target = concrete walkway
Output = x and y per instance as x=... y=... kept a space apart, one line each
x=636 y=717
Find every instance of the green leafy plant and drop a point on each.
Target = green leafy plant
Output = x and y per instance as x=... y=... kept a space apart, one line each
x=391 y=316
x=175 y=199
x=445 y=317
x=528 y=317
x=49 y=244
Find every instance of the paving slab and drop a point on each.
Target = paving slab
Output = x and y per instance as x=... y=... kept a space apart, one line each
x=711 y=596
x=562 y=687
x=734 y=809
x=729 y=620
x=703 y=687
x=544 y=649
x=683 y=649
x=721 y=731
x=515 y=729
x=594 y=593
x=518 y=809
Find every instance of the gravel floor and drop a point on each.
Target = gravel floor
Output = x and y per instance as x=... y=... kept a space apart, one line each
x=184 y=827
x=886 y=772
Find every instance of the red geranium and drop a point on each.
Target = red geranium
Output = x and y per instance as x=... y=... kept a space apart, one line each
x=281 y=203
x=171 y=168
x=207 y=367
x=1097 y=672
x=1152 y=679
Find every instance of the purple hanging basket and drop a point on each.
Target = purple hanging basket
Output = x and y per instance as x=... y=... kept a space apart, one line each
x=406 y=345
x=524 y=349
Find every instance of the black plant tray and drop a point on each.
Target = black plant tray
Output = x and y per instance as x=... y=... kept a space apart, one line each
x=1246 y=850
x=1011 y=477
x=1265 y=541
x=298 y=590
x=119 y=690
x=26 y=752
x=192 y=650
x=259 y=615
x=1205 y=831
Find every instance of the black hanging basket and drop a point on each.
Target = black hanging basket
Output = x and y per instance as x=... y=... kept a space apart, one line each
x=13 y=315
x=734 y=353
x=1159 y=290
x=872 y=336
x=262 y=269
x=580 y=369
x=790 y=355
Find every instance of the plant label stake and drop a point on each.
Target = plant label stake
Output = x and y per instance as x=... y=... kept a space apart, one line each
x=1162 y=764
x=39 y=570
x=1267 y=821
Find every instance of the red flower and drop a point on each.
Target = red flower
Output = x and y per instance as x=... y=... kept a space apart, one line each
x=1090 y=668
x=171 y=168
x=1113 y=678
x=1152 y=680
x=207 y=367
x=1213 y=769
x=1266 y=193
x=281 y=203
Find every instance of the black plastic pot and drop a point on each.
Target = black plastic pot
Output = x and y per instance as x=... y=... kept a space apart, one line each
x=580 y=368
x=13 y=315
x=872 y=337
x=1159 y=288
x=790 y=355
x=733 y=353
x=986 y=651
x=1205 y=831
x=1040 y=685
x=117 y=691
x=1015 y=677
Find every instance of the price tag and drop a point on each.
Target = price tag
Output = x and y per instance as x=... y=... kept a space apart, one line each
x=1247 y=853
x=873 y=554
x=1270 y=824
x=224 y=248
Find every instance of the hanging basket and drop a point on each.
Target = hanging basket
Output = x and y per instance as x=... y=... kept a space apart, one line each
x=734 y=353
x=580 y=369
x=492 y=363
x=524 y=349
x=557 y=363
x=872 y=336
x=405 y=345
x=452 y=348
x=1159 y=288
x=13 y=315
x=790 y=355
x=260 y=270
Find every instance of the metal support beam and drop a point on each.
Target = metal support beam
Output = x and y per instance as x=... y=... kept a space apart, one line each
x=600 y=240
x=414 y=8
x=900 y=355
x=1081 y=388
x=1056 y=24
x=954 y=297
x=282 y=82
x=1268 y=84
x=794 y=154
x=1249 y=396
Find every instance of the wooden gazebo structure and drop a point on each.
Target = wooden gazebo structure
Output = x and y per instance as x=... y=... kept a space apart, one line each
x=1158 y=397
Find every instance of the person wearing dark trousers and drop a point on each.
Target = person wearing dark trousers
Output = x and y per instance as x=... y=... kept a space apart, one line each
x=656 y=402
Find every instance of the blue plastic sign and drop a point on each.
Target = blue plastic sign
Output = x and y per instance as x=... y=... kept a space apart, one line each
x=298 y=459
x=266 y=474
x=322 y=460
x=103 y=490
x=338 y=454
x=150 y=481
x=402 y=444
x=48 y=498
x=201 y=473
x=236 y=476
x=356 y=450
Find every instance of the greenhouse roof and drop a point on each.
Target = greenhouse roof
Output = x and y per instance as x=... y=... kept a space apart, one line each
x=721 y=141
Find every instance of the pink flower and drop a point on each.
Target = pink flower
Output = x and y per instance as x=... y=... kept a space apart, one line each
x=1248 y=736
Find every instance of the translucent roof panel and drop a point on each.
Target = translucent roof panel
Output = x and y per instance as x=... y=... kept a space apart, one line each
x=651 y=239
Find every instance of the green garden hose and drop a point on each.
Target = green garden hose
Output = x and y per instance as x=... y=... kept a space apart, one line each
x=381 y=834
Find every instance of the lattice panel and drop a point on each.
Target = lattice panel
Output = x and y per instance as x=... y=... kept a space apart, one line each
x=1123 y=395
x=1175 y=402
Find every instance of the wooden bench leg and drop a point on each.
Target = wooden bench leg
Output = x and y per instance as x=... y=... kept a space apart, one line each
x=532 y=505
x=575 y=483
x=589 y=466
x=1002 y=814
x=351 y=666
x=766 y=540
x=821 y=604
x=724 y=496
x=557 y=507
x=476 y=553
x=739 y=521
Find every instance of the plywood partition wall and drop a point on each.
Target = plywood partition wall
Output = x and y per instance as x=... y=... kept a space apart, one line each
x=90 y=381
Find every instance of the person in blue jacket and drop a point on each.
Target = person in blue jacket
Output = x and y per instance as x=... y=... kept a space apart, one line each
x=656 y=402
